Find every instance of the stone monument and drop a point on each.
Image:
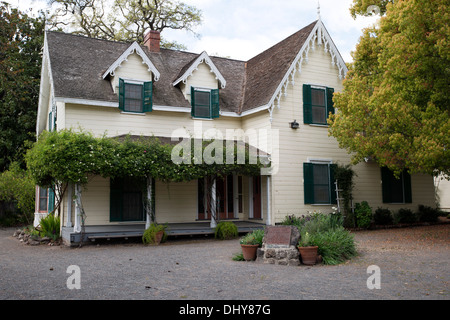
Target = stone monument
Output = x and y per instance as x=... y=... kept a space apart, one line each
x=280 y=246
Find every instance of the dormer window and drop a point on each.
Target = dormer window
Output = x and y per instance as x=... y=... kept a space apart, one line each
x=135 y=96
x=205 y=103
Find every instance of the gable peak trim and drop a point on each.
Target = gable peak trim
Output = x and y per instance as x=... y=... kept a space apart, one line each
x=133 y=48
x=324 y=40
x=202 y=58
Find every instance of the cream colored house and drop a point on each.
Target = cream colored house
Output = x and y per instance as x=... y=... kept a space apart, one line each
x=278 y=102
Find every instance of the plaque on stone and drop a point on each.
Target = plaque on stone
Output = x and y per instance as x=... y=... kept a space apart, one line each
x=278 y=236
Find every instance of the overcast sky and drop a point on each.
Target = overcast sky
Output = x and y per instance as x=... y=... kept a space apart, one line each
x=241 y=29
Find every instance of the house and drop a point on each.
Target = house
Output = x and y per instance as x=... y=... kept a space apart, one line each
x=278 y=102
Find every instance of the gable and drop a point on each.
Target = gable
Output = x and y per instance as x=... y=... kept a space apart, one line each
x=132 y=68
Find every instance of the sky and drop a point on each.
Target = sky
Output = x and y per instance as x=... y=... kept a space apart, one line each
x=241 y=29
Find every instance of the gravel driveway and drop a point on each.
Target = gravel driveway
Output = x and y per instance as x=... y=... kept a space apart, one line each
x=413 y=263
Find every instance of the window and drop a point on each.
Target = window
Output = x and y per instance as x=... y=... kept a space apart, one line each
x=396 y=190
x=317 y=104
x=205 y=103
x=126 y=199
x=135 y=96
x=46 y=200
x=319 y=187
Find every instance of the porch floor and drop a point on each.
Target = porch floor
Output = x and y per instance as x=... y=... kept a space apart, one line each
x=137 y=230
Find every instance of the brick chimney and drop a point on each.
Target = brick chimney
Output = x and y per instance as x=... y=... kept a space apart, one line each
x=152 y=40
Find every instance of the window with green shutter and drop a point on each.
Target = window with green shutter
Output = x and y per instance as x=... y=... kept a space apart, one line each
x=396 y=190
x=205 y=103
x=135 y=97
x=319 y=187
x=317 y=104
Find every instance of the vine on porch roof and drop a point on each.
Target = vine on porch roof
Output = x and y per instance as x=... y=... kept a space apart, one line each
x=72 y=157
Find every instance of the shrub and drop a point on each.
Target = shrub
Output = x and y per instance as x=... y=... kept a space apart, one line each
x=363 y=214
x=50 y=226
x=427 y=214
x=226 y=230
x=149 y=236
x=382 y=216
x=335 y=246
x=253 y=238
x=405 y=216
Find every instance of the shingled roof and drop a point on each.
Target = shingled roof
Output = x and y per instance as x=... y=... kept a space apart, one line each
x=78 y=63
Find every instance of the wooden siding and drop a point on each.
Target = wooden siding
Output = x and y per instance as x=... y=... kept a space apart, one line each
x=133 y=68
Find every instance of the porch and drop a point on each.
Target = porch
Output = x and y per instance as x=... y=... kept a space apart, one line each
x=92 y=233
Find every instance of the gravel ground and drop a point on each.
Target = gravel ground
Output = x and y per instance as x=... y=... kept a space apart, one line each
x=413 y=263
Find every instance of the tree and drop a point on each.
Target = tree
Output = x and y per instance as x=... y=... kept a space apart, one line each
x=125 y=20
x=395 y=103
x=364 y=7
x=21 y=39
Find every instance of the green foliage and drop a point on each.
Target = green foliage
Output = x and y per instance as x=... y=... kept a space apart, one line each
x=49 y=226
x=21 y=40
x=360 y=7
x=394 y=105
x=405 y=216
x=344 y=175
x=383 y=216
x=71 y=157
x=327 y=232
x=363 y=214
x=225 y=230
x=238 y=256
x=427 y=214
x=149 y=236
x=253 y=238
x=17 y=185
x=335 y=245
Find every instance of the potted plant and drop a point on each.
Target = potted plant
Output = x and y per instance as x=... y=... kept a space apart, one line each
x=308 y=252
x=250 y=244
x=154 y=234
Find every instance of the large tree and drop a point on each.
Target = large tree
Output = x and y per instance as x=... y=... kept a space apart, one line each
x=124 y=20
x=395 y=104
x=21 y=39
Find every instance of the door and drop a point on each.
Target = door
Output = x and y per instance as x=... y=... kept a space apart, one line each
x=256 y=188
x=224 y=199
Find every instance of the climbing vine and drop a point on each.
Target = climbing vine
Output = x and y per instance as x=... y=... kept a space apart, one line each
x=344 y=175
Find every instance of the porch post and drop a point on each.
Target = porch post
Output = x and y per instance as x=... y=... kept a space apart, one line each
x=150 y=218
x=77 y=227
x=269 y=211
x=213 y=204
x=69 y=205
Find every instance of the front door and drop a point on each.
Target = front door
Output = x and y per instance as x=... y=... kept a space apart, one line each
x=256 y=187
x=224 y=199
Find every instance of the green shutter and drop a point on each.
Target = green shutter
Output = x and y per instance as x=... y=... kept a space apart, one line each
x=386 y=184
x=308 y=182
x=330 y=104
x=332 y=185
x=407 y=187
x=116 y=196
x=215 y=106
x=121 y=94
x=193 y=101
x=50 y=119
x=307 y=104
x=147 y=94
x=51 y=200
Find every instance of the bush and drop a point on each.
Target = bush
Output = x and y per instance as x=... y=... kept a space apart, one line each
x=427 y=214
x=405 y=216
x=50 y=226
x=253 y=238
x=363 y=214
x=382 y=216
x=335 y=245
x=226 y=230
x=149 y=236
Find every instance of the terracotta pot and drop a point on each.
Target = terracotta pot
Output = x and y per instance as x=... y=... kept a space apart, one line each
x=158 y=237
x=249 y=251
x=308 y=255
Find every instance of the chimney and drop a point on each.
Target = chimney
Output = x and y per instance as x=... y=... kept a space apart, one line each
x=152 y=40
